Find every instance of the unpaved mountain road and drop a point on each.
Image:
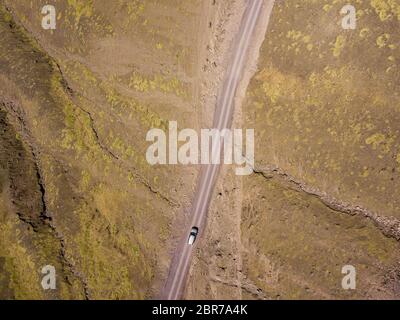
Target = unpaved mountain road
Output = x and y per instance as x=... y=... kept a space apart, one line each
x=180 y=265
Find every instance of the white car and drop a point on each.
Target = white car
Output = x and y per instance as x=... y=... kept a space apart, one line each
x=193 y=235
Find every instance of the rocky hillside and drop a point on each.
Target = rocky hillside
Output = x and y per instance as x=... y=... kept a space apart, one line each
x=76 y=104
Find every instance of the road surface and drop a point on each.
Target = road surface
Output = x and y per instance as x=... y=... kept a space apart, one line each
x=180 y=265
